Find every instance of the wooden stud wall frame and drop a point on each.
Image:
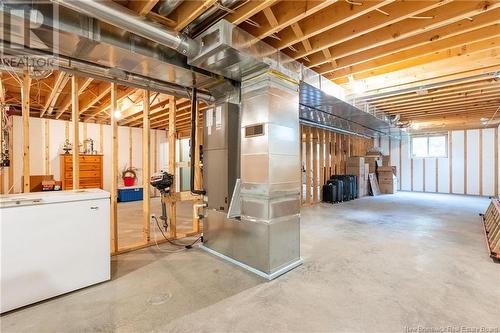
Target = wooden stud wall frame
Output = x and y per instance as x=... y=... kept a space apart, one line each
x=324 y=156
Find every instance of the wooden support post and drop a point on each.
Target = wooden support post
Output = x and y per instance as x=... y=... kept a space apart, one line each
x=155 y=158
x=114 y=170
x=47 y=147
x=308 y=165
x=315 y=164
x=321 y=162
x=328 y=159
x=145 y=167
x=333 y=148
x=75 y=114
x=25 y=97
x=172 y=211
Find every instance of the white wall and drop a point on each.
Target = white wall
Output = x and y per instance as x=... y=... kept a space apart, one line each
x=57 y=136
x=472 y=168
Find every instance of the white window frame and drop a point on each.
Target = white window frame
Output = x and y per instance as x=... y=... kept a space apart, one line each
x=445 y=135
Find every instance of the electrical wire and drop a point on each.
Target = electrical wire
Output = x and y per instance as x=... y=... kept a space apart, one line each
x=187 y=246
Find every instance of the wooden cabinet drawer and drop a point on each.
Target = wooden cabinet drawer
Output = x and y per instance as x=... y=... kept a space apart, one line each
x=83 y=158
x=84 y=167
x=84 y=174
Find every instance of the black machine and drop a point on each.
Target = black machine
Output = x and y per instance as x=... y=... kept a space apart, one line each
x=162 y=181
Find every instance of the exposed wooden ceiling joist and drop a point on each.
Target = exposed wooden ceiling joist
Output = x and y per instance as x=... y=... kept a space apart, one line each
x=188 y=11
x=142 y=7
x=327 y=18
x=451 y=35
x=285 y=13
x=248 y=10
x=403 y=28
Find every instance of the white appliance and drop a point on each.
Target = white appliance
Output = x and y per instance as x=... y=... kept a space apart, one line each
x=52 y=243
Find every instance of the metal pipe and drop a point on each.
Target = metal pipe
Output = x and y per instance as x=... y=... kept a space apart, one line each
x=194 y=114
x=123 y=18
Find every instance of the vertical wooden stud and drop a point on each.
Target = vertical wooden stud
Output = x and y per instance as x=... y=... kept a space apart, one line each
x=25 y=97
x=145 y=167
x=114 y=169
x=172 y=110
x=321 y=162
x=328 y=160
x=75 y=114
x=333 y=144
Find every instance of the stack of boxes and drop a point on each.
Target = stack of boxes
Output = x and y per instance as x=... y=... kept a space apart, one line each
x=356 y=166
x=387 y=180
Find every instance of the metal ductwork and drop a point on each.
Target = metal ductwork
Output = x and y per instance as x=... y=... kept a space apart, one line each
x=165 y=7
x=80 y=42
x=115 y=14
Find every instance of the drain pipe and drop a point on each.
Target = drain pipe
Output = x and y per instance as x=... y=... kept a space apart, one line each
x=128 y=20
x=194 y=114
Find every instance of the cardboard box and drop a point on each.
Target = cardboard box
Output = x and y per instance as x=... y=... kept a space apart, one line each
x=355 y=161
x=386 y=160
x=374 y=163
x=390 y=168
x=388 y=185
x=355 y=171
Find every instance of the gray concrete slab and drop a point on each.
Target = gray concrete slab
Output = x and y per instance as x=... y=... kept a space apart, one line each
x=384 y=264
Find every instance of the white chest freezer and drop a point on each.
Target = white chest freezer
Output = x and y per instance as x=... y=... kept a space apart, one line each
x=52 y=243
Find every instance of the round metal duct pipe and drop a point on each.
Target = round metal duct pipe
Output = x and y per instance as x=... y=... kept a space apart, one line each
x=123 y=18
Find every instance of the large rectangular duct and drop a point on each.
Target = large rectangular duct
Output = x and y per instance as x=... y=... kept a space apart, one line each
x=266 y=238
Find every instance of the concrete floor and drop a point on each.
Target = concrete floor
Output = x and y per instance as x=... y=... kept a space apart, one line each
x=383 y=264
x=130 y=226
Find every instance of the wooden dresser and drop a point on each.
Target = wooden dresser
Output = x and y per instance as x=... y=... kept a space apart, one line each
x=90 y=171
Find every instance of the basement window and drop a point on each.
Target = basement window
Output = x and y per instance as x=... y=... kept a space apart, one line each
x=429 y=146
